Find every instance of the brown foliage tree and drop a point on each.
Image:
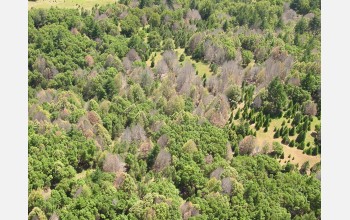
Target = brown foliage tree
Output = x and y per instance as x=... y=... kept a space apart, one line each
x=94 y=118
x=208 y=159
x=188 y=210
x=194 y=42
x=163 y=160
x=170 y=58
x=257 y=103
x=65 y=125
x=247 y=145
x=192 y=14
x=278 y=64
x=289 y=15
x=54 y=216
x=40 y=64
x=132 y=55
x=113 y=164
x=229 y=153
x=294 y=81
x=231 y=72
x=226 y=185
x=163 y=141
x=74 y=31
x=310 y=108
x=89 y=60
x=185 y=77
x=161 y=69
x=219 y=111
x=134 y=134
x=127 y=64
x=46 y=95
x=214 y=53
x=145 y=148
x=217 y=173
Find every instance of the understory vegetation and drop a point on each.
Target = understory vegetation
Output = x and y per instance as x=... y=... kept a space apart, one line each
x=177 y=109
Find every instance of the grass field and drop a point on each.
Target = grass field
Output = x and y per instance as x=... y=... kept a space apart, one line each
x=263 y=138
x=87 y=4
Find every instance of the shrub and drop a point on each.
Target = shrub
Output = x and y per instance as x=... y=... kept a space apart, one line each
x=257 y=126
x=277 y=150
x=289 y=167
x=237 y=114
x=301 y=137
x=285 y=139
x=297 y=119
x=301 y=146
x=277 y=134
x=182 y=58
x=292 y=131
x=292 y=143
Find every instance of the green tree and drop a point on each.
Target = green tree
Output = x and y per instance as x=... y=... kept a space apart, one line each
x=130 y=25
x=276 y=97
x=168 y=44
x=154 y=40
x=301 y=26
x=233 y=94
x=154 y=20
x=205 y=9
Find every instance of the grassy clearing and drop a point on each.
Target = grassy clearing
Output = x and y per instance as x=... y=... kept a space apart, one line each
x=87 y=4
x=266 y=138
x=299 y=157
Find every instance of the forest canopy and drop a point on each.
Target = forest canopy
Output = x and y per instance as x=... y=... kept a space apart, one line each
x=180 y=109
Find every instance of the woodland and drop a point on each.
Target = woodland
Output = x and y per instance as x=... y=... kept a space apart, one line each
x=175 y=109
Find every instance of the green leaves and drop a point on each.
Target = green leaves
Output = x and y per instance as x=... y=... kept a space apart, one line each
x=94 y=92
x=276 y=97
x=130 y=25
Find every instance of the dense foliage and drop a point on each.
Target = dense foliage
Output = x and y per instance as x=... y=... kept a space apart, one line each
x=123 y=124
